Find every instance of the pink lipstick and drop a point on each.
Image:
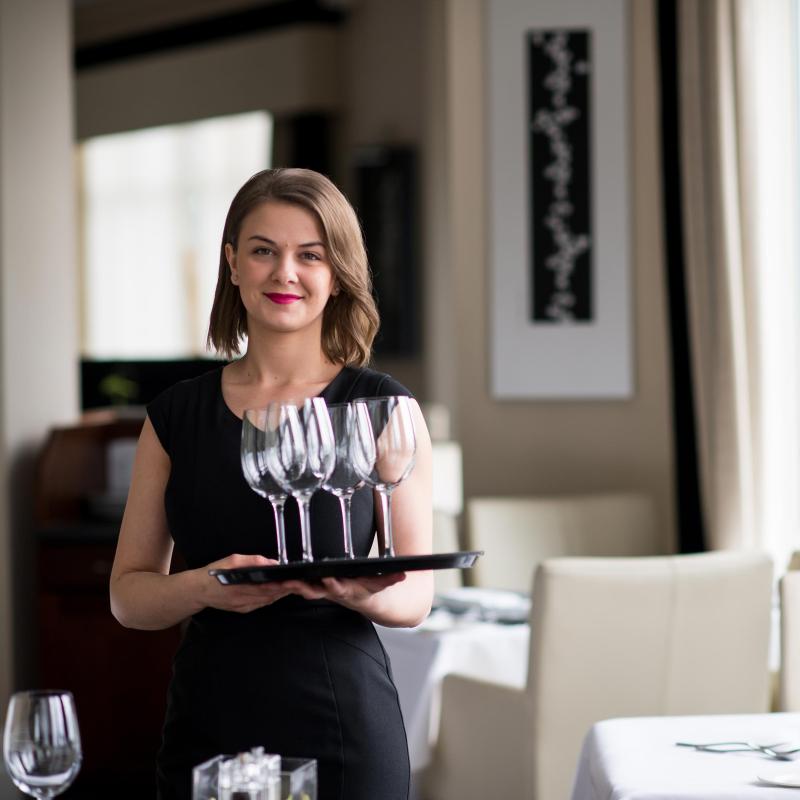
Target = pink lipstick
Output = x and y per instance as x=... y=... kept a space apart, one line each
x=282 y=299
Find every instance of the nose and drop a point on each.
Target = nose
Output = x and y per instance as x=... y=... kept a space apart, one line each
x=285 y=271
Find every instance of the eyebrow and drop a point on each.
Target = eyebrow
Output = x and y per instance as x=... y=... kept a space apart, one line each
x=270 y=241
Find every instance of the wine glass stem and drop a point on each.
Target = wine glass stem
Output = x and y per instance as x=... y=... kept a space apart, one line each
x=386 y=505
x=344 y=503
x=304 y=502
x=280 y=530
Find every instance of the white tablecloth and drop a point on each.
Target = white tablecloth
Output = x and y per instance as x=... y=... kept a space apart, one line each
x=637 y=759
x=422 y=656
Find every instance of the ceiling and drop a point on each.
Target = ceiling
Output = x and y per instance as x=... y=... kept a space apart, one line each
x=101 y=21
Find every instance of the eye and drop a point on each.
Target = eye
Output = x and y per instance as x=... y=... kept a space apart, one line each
x=262 y=251
x=311 y=256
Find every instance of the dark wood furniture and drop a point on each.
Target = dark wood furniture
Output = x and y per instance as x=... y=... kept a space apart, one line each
x=119 y=677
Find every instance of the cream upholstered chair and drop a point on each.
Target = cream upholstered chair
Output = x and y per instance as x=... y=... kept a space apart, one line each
x=614 y=637
x=516 y=533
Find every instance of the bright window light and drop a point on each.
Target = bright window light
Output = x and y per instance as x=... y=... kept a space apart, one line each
x=153 y=205
x=775 y=247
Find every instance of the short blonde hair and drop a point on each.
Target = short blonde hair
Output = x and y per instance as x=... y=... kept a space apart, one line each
x=350 y=320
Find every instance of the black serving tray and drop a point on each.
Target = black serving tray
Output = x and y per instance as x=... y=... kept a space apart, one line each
x=345 y=567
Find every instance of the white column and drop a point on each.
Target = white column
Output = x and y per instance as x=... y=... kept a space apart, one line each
x=38 y=286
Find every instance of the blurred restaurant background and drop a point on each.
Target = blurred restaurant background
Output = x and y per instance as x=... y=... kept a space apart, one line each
x=126 y=126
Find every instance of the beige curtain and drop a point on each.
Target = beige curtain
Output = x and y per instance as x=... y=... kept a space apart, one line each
x=739 y=175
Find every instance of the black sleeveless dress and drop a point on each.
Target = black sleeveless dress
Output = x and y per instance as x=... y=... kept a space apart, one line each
x=299 y=678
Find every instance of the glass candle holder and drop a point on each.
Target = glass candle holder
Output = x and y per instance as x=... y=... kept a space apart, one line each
x=298 y=779
x=254 y=775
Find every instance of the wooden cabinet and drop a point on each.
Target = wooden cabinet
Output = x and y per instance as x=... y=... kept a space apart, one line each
x=119 y=677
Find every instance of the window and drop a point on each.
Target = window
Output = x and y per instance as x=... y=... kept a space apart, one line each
x=153 y=204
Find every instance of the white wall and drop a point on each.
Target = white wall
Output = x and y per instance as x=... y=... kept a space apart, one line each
x=285 y=71
x=384 y=103
x=370 y=74
x=543 y=447
x=413 y=73
x=512 y=448
x=38 y=298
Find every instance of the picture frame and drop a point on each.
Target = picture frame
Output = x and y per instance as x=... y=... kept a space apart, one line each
x=559 y=221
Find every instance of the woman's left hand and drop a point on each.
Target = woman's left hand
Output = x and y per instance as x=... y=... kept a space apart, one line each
x=354 y=593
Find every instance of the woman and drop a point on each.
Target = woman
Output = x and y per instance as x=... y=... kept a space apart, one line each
x=294 y=667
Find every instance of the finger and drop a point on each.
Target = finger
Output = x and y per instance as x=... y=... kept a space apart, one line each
x=299 y=586
x=382 y=581
x=240 y=560
x=252 y=599
x=244 y=608
x=307 y=590
x=310 y=594
x=255 y=593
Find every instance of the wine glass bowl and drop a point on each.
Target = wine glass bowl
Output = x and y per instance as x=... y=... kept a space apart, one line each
x=300 y=454
x=344 y=480
x=41 y=742
x=384 y=450
x=254 y=444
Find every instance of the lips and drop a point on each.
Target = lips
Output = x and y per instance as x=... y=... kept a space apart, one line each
x=282 y=299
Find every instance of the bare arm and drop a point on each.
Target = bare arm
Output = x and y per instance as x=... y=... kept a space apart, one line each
x=143 y=593
x=402 y=600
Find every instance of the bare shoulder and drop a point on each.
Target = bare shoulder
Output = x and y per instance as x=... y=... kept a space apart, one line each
x=149 y=448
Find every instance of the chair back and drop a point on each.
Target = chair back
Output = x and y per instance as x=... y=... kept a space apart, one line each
x=789 y=678
x=620 y=637
x=516 y=533
x=448 y=504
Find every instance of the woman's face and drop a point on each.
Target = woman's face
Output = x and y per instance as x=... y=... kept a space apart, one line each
x=282 y=269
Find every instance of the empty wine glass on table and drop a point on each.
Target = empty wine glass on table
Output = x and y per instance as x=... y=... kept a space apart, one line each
x=255 y=438
x=344 y=480
x=300 y=454
x=41 y=742
x=384 y=450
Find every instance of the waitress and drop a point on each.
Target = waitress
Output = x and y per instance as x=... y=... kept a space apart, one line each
x=294 y=667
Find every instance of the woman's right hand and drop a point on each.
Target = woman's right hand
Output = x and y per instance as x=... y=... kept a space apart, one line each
x=240 y=598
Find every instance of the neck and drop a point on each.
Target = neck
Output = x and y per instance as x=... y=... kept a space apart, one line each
x=285 y=360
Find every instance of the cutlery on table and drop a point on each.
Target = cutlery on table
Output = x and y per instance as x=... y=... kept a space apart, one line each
x=771 y=750
x=782 y=754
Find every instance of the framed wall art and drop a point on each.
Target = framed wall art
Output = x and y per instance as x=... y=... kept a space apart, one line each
x=561 y=321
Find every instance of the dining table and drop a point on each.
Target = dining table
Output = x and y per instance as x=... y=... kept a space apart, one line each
x=639 y=758
x=445 y=643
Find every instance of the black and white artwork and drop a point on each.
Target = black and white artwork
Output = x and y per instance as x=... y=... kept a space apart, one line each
x=559 y=213
x=559 y=75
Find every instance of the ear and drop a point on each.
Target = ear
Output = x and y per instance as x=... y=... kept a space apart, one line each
x=230 y=255
x=336 y=289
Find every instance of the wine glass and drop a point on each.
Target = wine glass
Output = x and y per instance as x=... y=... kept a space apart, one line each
x=384 y=450
x=41 y=743
x=255 y=437
x=344 y=480
x=300 y=454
